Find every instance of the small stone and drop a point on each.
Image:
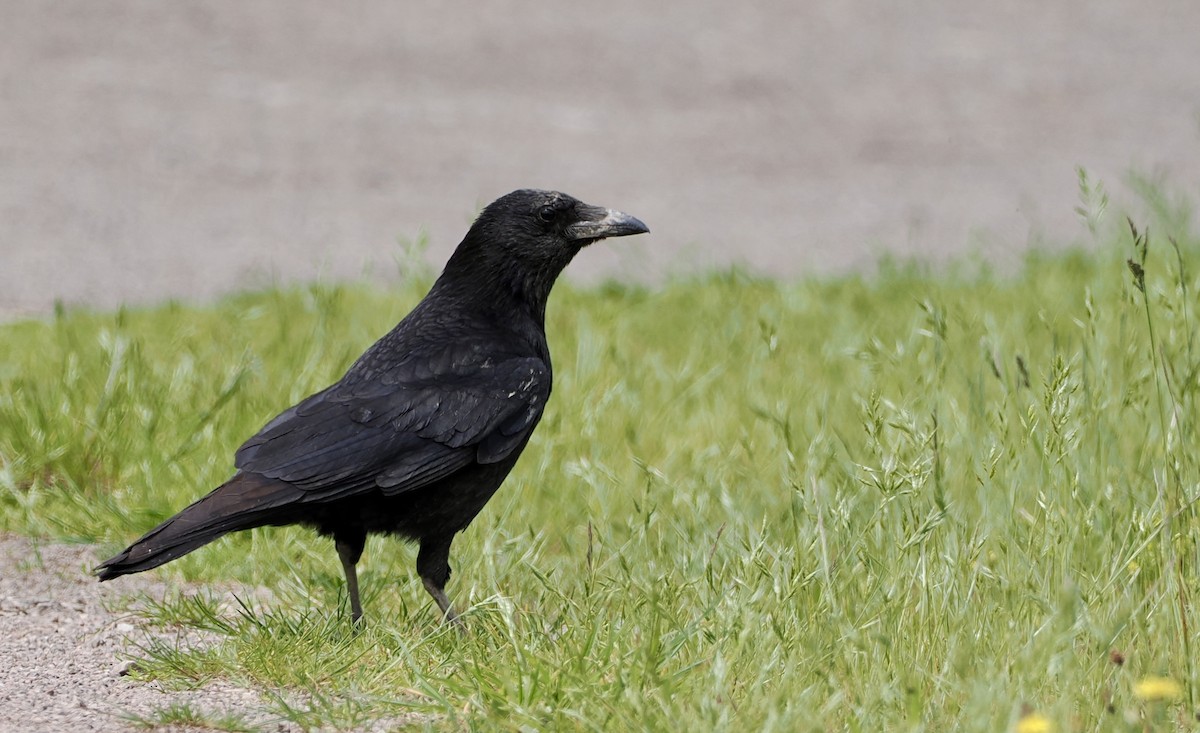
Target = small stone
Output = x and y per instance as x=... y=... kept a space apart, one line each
x=126 y=667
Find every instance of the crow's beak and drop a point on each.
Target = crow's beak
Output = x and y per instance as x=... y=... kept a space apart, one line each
x=596 y=222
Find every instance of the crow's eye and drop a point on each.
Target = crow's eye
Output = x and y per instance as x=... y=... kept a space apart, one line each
x=547 y=213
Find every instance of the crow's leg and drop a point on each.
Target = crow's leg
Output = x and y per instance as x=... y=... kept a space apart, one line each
x=433 y=565
x=350 y=549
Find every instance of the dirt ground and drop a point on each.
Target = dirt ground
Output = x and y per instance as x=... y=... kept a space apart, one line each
x=185 y=149
x=67 y=647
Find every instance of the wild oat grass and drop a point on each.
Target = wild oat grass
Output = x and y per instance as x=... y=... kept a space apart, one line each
x=910 y=501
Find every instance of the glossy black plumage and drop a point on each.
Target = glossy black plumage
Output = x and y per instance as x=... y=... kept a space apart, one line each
x=424 y=427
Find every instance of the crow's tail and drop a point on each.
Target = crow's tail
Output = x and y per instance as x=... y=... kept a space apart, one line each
x=245 y=501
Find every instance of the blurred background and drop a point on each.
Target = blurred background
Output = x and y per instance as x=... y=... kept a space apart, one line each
x=156 y=149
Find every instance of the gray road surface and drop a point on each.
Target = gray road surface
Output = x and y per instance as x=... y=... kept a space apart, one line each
x=152 y=149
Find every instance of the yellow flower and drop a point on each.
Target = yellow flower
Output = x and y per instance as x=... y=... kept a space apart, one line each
x=1034 y=723
x=1154 y=689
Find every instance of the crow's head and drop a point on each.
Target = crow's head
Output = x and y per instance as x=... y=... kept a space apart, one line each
x=525 y=239
x=536 y=224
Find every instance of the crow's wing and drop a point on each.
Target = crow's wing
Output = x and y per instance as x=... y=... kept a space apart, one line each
x=402 y=432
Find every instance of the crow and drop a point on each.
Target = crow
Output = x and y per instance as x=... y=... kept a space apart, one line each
x=423 y=428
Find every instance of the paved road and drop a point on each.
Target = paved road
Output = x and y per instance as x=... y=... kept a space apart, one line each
x=151 y=149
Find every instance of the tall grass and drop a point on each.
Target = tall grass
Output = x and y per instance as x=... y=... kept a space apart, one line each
x=916 y=500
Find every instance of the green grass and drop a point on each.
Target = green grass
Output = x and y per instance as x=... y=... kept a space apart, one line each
x=183 y=715
x=911 y=501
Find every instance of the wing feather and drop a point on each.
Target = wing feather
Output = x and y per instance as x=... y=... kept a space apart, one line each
x=402 y=432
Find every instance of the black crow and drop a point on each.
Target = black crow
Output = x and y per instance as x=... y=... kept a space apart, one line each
x=423 y=428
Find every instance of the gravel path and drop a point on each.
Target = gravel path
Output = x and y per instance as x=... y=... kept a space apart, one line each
x=182 y=149
x=64 y=651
